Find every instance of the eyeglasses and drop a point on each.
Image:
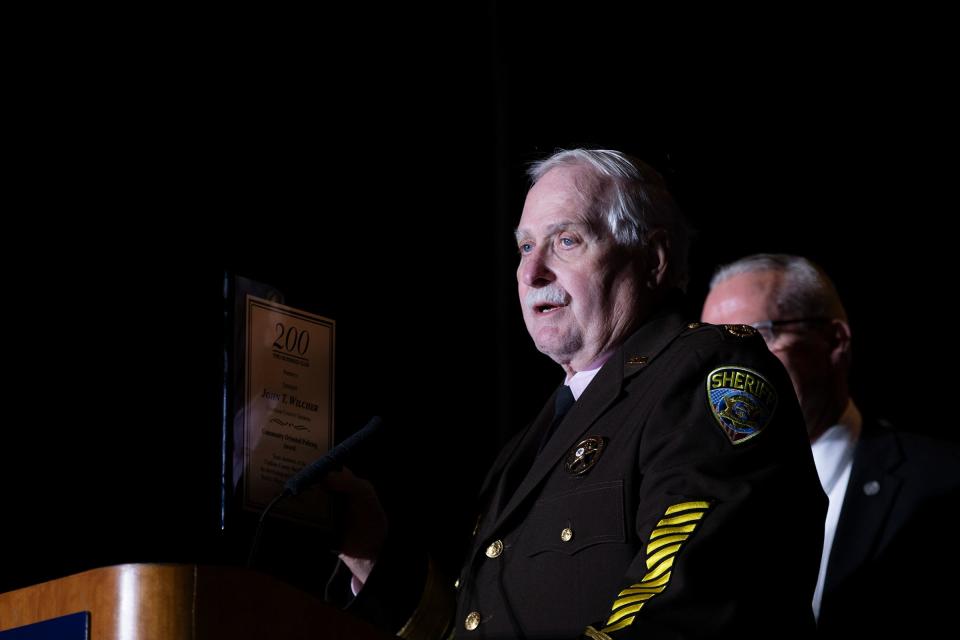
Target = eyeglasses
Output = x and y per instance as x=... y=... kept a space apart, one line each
x=770 y=330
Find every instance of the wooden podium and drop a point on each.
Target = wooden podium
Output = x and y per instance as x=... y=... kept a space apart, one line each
x=182 y=602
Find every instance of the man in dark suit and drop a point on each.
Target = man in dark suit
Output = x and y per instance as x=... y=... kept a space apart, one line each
x=666 y=488
x=893 y=496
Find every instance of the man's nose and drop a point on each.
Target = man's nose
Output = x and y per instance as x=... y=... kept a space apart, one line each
x=534 y=270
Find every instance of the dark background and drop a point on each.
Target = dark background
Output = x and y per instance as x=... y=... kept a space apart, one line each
x=370 y=164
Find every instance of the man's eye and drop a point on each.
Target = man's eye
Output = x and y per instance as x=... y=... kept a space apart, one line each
x=567 y=242
x=526 y=247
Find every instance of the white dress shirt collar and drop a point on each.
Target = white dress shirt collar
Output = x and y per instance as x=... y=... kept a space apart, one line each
x=578 y=382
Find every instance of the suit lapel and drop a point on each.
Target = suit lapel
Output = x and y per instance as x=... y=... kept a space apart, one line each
x=870 y=495
x=629 y=360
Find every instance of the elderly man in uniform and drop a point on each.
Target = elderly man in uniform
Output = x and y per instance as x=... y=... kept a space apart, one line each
x=665 y=490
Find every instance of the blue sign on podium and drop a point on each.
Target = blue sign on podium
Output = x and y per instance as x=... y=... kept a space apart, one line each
x=75 y=626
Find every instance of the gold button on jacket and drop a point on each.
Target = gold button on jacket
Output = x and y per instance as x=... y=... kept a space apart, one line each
x=472 y=621
x=495 y=549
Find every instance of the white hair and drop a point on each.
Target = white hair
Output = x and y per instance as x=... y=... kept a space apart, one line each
x=631 y=198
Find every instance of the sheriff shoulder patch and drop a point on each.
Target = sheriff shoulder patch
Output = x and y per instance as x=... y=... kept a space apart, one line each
x=741 y=400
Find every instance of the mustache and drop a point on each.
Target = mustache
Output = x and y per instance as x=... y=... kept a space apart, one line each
x=550 y=294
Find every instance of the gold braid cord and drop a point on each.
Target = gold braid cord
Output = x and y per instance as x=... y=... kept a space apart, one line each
x=434 y=614
x=593 y=634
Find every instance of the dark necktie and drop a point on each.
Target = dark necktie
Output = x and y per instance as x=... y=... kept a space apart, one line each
x=561 y=404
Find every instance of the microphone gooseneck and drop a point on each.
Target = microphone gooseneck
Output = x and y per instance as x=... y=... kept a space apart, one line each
x=332 y=460
x=314 y=472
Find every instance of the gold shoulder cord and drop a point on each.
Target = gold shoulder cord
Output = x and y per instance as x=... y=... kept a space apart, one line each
x=434 y=614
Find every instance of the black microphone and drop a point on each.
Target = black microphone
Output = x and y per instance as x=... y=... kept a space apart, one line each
x=333 y=459
x=313 y=473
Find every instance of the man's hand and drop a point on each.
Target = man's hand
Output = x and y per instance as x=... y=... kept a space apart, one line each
x=363 y=529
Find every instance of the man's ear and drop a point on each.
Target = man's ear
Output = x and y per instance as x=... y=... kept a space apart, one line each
x=656 y=263
x=840 y=342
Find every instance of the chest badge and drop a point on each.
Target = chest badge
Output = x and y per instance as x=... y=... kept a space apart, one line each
x=584 y=455
x=742 y=401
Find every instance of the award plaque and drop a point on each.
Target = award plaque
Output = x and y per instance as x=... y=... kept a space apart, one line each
x=285 y=417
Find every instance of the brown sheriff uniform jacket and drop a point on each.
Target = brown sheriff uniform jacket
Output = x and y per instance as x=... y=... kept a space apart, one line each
x=677 y=498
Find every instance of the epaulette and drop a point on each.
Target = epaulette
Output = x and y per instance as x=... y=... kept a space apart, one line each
x=736 y=330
